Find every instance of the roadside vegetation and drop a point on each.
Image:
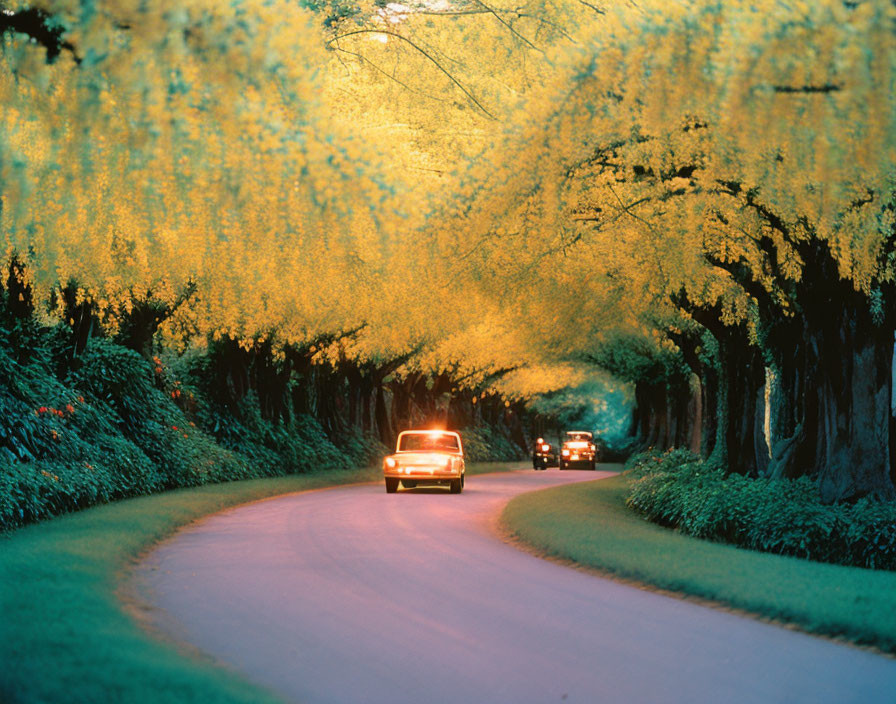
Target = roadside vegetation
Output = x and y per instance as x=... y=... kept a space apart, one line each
x=259 y=238
x=591 y=526
x=486 y=223
x=91 y=421
x=64 y=636
x=787 y=517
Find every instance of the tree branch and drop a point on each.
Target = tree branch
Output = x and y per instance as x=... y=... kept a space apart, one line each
x=508 y=25
x=390 y=76
x=34 y=22
x=824 y=88
x=421 y=51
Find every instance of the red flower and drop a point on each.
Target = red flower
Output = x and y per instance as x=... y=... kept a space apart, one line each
x=174 y=427
x=70 y=408
x=42 y=409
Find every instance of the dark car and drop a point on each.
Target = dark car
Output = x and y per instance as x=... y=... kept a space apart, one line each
x=544 y=454
x=578 y=450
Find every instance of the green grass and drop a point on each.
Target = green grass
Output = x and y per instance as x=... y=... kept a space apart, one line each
x=590 y=525
x=64 y=636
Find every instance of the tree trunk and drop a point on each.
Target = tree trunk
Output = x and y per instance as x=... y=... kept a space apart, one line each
x=743 y=375
x=383 y=424
x=854 y=407
x=710 y=401
x=695 y=415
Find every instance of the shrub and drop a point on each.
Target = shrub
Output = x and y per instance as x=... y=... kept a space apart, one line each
x=59 y=451
x=786 y=517
x=483 y=443
x=121 y=383
x=109 y=424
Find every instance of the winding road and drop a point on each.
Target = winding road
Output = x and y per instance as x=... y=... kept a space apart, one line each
x=352 y=595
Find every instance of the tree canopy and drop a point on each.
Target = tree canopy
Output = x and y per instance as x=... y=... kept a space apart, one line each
x=697 y=198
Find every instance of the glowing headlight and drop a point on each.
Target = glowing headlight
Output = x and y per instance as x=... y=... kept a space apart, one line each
x=390 y=462
x=564 y=452
x=545 y=448
x=446 y=461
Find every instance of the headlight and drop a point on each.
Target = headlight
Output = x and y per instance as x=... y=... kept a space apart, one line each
x=446 y=461
x=390 y=462
x=564 y=452
x=545 y=448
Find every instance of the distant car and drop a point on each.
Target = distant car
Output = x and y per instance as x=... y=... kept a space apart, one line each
x=544 y=455
x=426 y=457
x=578 y=450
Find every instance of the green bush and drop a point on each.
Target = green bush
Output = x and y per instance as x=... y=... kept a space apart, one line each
x=291 y=445
x=106 y=424
x=121 y=382
x=483 y=443
x=59 y=451
x=680 y=491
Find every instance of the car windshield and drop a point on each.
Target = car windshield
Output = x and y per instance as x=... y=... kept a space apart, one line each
x=578 y=437
x=415 y=442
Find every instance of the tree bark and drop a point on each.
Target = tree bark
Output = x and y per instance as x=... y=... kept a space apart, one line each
x=854 y=408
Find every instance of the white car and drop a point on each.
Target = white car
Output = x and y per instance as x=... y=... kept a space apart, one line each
x=426 y=457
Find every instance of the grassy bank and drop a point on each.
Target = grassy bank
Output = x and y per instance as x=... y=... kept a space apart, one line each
x=63 y=634
x=589 y=524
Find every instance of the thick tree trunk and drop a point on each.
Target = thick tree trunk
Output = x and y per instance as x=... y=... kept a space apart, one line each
x=835 y=385
x=854 y=408
x=761 y=451
x=743 y=375
x=329 y=394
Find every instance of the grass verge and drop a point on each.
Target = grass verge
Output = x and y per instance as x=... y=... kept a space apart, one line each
x=64 y=636
x=590 y=525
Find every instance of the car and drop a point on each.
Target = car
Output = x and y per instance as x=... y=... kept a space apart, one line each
x=578 y=449
x=427 y=458
x=543 y=455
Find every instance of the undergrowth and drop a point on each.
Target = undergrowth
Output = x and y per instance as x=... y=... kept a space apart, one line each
x=781 y=516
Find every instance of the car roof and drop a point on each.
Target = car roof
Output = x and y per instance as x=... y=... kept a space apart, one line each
x=429 y=432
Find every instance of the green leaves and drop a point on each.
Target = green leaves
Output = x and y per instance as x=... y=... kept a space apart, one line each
x=785 y=517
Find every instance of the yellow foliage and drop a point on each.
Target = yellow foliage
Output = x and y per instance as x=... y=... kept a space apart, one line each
x=488 y=187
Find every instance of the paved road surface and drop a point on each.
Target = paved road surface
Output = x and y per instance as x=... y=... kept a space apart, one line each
x=352 y=595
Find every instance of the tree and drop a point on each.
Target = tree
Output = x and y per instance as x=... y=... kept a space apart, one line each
x=744 y=158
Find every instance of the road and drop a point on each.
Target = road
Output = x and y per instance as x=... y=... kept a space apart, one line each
x=353 y=595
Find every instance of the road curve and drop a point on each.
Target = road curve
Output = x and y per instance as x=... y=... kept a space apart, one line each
x=352 y=595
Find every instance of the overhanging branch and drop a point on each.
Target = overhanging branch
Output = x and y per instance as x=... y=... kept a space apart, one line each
x=424 y=53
